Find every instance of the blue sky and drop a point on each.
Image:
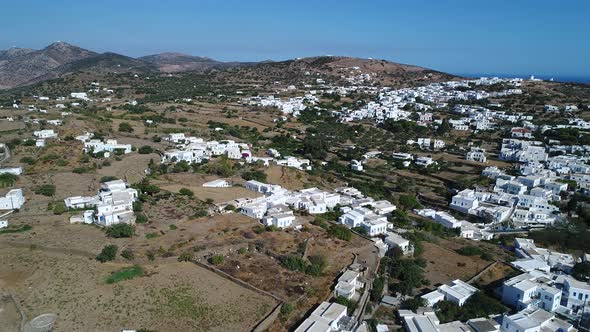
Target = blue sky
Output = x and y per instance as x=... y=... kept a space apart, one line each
x=504 y=36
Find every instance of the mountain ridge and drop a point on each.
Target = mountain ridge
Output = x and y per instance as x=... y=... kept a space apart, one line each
x=22 y=66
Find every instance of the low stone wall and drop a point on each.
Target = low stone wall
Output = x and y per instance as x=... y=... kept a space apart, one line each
x=267 y=321
x=236 y=280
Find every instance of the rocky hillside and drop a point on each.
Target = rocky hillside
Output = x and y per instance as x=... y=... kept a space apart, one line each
x=176 y=62
x=20 y=66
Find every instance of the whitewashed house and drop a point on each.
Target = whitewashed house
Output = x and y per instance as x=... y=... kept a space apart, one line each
x=13 y=200
x=44 y=134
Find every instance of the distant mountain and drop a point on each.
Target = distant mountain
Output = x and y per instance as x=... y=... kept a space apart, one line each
x=99 y=63
x=14 y=52
x=19 y=66
x=176 y=62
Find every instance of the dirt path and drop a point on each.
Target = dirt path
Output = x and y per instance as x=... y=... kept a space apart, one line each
x=65 y=251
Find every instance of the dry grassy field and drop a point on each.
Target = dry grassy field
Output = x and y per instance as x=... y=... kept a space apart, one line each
x=444 y=265
x=171 y=296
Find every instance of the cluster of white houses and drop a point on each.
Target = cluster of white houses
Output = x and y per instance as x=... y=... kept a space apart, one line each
x=112 y=205
x=42 y=135
x=465 y=229
x=105 y=147
x=531 y=320
x=525 y=199
x=543 y=298
x=196 y=150
x=277 y=205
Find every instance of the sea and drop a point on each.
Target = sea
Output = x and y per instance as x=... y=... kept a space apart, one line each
x=556 y=78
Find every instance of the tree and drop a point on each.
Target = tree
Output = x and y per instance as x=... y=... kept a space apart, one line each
x=186 y=192
x=254 y=175
x=340 y=232
x=125 y=127
x=409 y=202
x=360 y=230
x=377 y=290
x=581 y=271
x=108 y=253
x=120 y=230
x=146 y=149
x=414 y=303
x=351 y=305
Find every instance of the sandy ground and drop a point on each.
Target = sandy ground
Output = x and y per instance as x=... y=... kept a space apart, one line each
x=171 y=296
x=131 y=168
x=444 y=265
x=10 y=318
x=174 y=182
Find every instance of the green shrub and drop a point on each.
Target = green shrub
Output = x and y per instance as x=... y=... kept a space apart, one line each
x=409 y=202
x=120 y=230
x=254 y=175
x=27 y=160
x=80 y=170
x=478 y=305
x=59 y=208
x=360 y=230
x=151 y=235
x=286 y=309
x=7 y=179
x=45 y=190
x=351 y=305
x=186 y=192
x=186 y=257
x=108 y=178
x=125 y=273
x=217 y=259
x=146 y=149
x=137 y=206
x=125 y=127
x=22 y=228
x=108 y=253
x=340 y=232
x=128 y=254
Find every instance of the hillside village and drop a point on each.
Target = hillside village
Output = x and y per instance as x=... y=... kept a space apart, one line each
x=342 y=203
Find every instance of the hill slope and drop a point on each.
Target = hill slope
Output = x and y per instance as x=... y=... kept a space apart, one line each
x=19 y=66
x=176 y=62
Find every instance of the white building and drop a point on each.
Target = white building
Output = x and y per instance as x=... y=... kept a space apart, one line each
x=327 y=317
x=111 y=146
x=394 y=240
x=457 y=291
x=476 y=154
x=534 y=320
x=46 y=133
x=12 y=170
x=13 y=200
x=113 y=203
x=348 y=284
x=531 y=290
x=219 y=183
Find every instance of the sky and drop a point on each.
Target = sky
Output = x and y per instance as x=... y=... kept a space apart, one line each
x=511 y=37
